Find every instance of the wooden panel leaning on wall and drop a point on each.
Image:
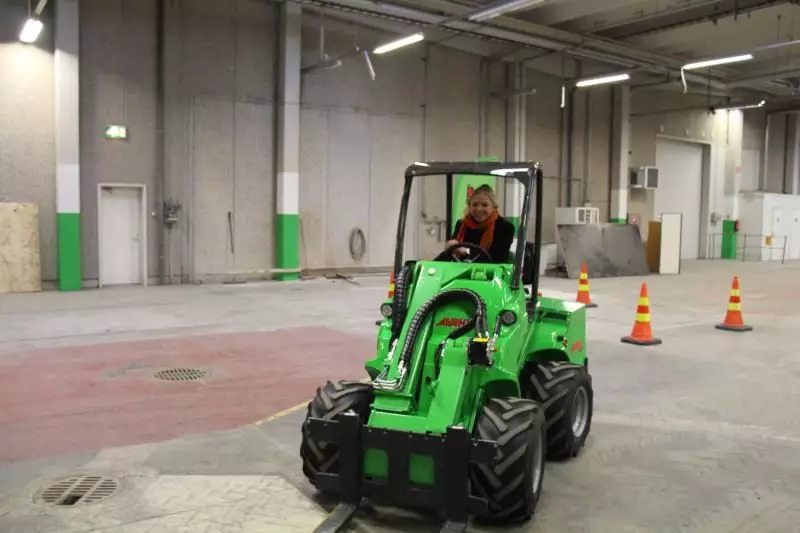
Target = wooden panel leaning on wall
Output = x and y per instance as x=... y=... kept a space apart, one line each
x=20 y=258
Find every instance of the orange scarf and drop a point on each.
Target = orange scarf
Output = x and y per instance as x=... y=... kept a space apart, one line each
x=487 y=226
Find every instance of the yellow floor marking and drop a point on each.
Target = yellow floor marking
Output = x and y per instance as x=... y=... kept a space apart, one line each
x=293 y=409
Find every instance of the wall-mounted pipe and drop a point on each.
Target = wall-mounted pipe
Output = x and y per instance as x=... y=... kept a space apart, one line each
x=570 y=130
x=161 y=178
x=483 y=105
x=37 y=12
x=561 y=163
x=612 y=146
x=786 y=135
x=587 y=144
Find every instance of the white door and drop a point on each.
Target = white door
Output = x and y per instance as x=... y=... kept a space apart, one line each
x=680 y=179
x=119 y=235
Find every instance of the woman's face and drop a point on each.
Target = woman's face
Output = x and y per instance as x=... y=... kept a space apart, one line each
x=480 y=206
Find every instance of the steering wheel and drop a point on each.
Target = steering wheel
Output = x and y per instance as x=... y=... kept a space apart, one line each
x=482 y=252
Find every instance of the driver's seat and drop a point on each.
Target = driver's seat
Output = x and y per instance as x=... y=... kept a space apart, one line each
x=527 y=284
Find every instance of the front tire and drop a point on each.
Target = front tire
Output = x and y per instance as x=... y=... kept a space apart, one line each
x=332 y=400
x=512 y=482
x=565 y=392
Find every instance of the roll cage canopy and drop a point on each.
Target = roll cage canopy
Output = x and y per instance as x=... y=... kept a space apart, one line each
x=522 y=171
x=527 y=173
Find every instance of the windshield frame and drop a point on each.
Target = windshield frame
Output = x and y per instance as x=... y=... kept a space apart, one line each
x=528 y=174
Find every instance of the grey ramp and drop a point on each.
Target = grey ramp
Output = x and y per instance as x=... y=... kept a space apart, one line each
x=610 y=250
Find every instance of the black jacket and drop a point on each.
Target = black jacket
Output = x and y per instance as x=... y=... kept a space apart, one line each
x=501 y=244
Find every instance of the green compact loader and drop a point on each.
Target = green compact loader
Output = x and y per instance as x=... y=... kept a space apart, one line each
x=475 y=383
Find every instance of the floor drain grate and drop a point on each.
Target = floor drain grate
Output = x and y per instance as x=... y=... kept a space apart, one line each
x=181 y=374
x=79 y=490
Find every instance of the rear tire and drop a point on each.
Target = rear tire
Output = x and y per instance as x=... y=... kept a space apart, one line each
x=565 y=392
x=512 y=482
x=332 y=400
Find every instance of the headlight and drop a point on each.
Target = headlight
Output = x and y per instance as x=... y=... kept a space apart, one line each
x=386 y=310
x=508 y=318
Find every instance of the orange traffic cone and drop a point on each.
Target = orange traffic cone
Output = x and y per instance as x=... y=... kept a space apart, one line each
x=734 y=321
x=583 y=288
x=642 y=335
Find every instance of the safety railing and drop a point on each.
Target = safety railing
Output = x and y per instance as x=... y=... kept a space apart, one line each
x=752 y=247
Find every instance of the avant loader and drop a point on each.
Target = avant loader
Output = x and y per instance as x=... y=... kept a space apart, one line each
x=476 y=380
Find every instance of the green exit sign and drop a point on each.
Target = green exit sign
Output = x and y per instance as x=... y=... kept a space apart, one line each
x=116 y=132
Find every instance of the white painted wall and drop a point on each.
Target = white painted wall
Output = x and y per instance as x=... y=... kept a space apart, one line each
x=27 y=125
x=722 y=132
x=751 y=169
x=357 y=138
x=358 y=134
x=753 y=136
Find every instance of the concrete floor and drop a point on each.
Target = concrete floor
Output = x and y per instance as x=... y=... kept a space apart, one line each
x=698 y=434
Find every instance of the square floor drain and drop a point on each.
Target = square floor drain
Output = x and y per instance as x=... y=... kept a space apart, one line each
x=78 y=490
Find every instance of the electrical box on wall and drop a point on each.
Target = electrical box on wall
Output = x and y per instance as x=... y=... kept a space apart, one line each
x=577 y=215
x=643 y=177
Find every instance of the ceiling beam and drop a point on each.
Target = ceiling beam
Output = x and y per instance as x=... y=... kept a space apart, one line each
x=789 y=73
x=612 y=52
x=560 y=11
x=445 y=14
x=656 y=21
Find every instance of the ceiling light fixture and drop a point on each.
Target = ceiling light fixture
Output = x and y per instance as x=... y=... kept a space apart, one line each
x=31 y=30
x=717 y=62
x=603 y=80
x=736 y=107
x=502 y=9
x=327 y=63
x=399 y=43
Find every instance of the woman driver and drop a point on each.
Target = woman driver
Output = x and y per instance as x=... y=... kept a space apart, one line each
x=483 y=225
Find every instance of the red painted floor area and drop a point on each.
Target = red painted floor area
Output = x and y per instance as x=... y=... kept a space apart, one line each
x=66 y=400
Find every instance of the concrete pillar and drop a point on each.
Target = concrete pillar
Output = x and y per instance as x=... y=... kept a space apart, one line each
x=67 y=109
x=794 y=170
x=734 y=131
x=287 y=222
x=620 y=144
x=516 y=139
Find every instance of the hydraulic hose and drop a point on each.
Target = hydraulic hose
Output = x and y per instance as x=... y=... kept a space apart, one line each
x=446 y=297
x=399 y=303
x=453 y=295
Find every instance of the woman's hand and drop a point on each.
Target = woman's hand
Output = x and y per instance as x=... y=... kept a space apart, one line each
x=458 y=251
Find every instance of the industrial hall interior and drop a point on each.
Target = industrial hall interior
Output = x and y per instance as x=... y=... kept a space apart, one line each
x=376 y=266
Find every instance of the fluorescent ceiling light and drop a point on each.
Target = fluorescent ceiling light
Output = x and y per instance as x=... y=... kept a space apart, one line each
x=502 y=9
x=31 y=30
x=399 y=43
x=603 y=79
x=718 y=61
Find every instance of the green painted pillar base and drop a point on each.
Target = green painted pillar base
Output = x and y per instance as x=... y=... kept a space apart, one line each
x=618 y=220
x=68 y=235
x=728 y=250
x=287 y=250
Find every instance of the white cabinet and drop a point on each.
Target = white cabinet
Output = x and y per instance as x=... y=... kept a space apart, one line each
x=768 y=222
